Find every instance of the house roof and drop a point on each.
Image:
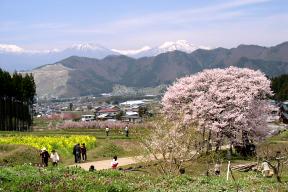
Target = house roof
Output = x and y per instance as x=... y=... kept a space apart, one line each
x=131 y=113
x=102 y=115
x=130 y=117
x=136 y=102
x=108 y=110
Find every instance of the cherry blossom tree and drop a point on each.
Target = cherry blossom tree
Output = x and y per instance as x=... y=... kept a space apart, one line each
x=171 y=144
x=224 y=103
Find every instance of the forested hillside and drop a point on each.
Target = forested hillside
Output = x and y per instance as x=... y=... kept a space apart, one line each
x=280 y=87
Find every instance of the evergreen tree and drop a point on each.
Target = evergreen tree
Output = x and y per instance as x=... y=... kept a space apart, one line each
x=280 y=87
x=16 y=101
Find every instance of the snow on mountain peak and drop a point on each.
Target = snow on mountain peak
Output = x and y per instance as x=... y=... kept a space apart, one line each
x=180 y=45
x=11 y=48
x=176 y=43
x=86 y=47
x=131 y=51
x=94 y=50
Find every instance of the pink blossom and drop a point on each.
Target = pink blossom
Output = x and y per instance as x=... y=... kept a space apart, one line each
x=226 y=101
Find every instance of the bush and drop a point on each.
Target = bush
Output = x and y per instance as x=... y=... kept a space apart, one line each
x=110 y=149
x=268 y=150
x=18 y=154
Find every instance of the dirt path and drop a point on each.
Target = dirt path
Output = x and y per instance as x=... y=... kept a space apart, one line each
x=106 y=164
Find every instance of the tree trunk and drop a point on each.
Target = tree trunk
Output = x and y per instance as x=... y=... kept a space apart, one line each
x=276 y=170
x=209 y=141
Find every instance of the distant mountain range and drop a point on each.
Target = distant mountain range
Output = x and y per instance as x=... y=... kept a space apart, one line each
x=80 y=76
x=146 y=51
x=13 y=57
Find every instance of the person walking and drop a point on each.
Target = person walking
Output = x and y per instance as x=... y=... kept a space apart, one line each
x=83 y=152
x=54 y=157
x=45 y=156
x=114 y=162
x=107 y=131
x=77 y=153
x=126 y=130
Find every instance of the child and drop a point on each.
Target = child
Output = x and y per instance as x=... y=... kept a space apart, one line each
x=114 y=162
x=91 y=168
x=54 y=157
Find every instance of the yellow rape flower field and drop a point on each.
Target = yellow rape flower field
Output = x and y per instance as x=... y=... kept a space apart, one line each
x=64 y=144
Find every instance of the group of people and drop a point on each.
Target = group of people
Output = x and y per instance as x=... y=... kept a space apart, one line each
x=80 y=151
x=114 y=164
x=126 y=131
x=45 y=156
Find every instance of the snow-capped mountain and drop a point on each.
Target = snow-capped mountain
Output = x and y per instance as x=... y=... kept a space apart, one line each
x=13 y=57
x=180 y=45
x=132 y=52
x=87 y=50
x=87 y=47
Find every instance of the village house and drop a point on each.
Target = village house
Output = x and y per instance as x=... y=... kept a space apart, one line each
x=131 y=116
x=107 y=113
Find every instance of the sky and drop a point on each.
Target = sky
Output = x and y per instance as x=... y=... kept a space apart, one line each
x=131 y=24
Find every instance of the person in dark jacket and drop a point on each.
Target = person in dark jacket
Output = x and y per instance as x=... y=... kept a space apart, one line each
x=83 y=152
x=45 y=157
x=77 y=153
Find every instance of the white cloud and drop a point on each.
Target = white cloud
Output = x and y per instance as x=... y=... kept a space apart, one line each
x=222 y=24
x=212 y=12
x=11 y=48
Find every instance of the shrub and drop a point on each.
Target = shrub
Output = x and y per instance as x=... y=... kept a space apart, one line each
x=16 y=155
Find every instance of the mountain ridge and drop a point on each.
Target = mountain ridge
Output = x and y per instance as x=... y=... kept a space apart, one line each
x=19 y=58
x=89 y=76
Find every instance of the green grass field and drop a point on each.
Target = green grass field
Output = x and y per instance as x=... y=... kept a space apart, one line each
x=18 y=175
x=29 y=178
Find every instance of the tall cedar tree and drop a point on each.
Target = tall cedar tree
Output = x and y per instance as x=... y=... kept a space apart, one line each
x=17 y=93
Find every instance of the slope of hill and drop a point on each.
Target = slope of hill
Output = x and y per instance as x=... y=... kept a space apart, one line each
x=86 y=76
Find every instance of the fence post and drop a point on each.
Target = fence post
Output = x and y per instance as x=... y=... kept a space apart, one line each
x=228 y=170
